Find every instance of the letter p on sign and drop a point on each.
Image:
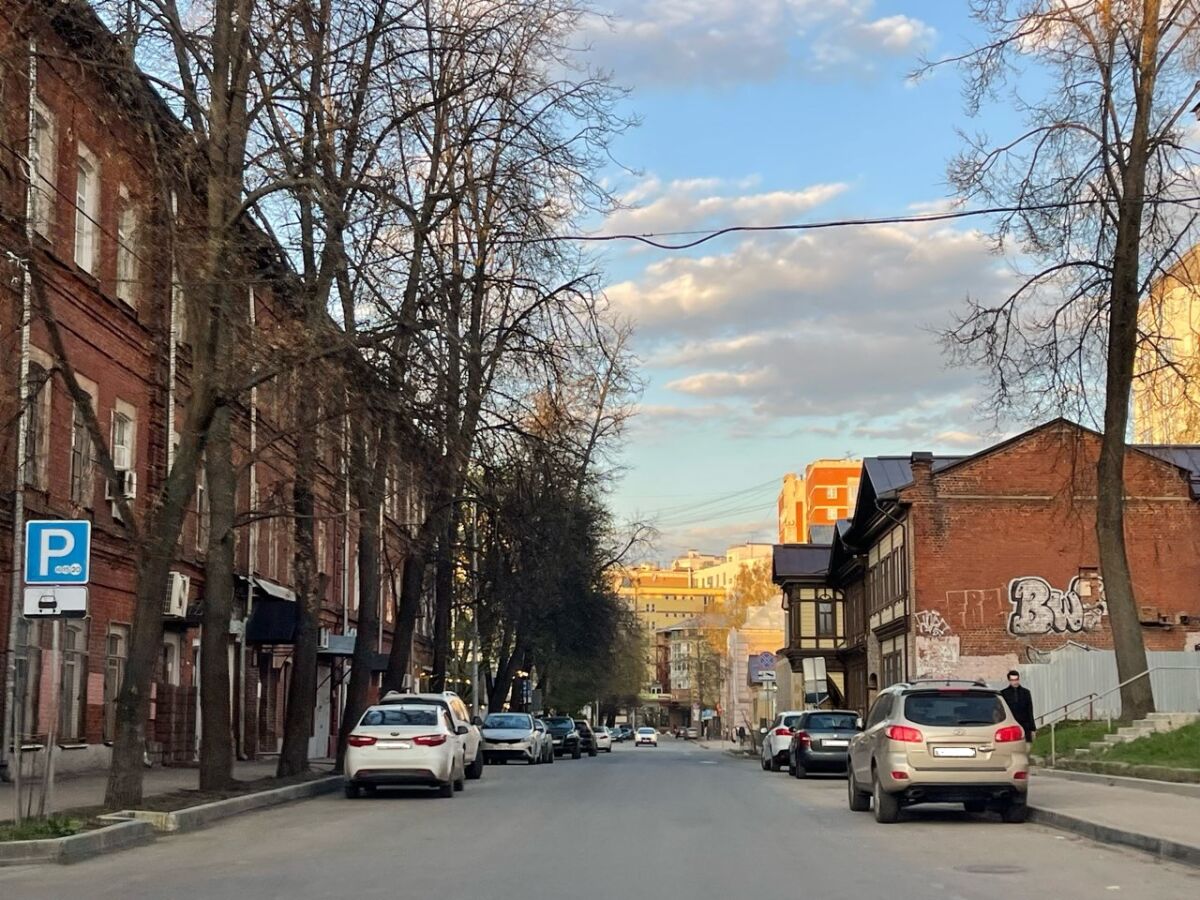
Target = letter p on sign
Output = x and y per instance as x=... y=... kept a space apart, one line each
x=58 y=552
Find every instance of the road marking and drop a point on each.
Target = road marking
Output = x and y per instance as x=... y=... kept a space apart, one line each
x=708 y=762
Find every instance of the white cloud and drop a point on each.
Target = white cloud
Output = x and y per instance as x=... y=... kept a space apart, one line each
x=722 y=42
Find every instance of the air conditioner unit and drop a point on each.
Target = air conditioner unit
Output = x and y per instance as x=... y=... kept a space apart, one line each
x=322 y=638
x=176 y=603
x=124 y=485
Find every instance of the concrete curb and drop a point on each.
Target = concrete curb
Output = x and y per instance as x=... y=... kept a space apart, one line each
x=1161 y=847
x=78 y=846
x=135 y=827
x=1174 y=788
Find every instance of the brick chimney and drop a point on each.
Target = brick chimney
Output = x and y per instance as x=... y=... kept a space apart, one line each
x=922 y=470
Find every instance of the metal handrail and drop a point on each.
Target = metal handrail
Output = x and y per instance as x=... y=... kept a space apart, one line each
x=1092 y=697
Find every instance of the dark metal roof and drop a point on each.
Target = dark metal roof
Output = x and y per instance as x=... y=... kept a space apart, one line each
x=790 y=561
x=890 y=473
x=820 y=534
x=1185 y=456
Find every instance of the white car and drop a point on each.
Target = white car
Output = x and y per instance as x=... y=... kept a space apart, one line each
x=454 y=705
x=645 y=735
x=406 y=744
x=511 y=736
x=777 y=740
x=604 y=739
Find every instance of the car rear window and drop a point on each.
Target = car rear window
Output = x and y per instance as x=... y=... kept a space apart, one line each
x=559 y=723
x=954 y=708
x=832 y=722
x=790 y=721
x=645 y=731
x=400 y=717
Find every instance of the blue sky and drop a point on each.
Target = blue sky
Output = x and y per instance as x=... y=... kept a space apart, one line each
x=761 y=353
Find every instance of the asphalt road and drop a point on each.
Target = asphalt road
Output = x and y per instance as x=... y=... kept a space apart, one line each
x=677 y=821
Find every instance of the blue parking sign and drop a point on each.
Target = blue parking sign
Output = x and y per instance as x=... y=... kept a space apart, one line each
x=58 y=551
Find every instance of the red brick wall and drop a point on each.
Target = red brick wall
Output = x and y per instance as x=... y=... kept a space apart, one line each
x=1028 y=510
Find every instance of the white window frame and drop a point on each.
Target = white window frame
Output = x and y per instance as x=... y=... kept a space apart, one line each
x=87 y=210
x=123 y=436
x=43 y=169
x=171 y=662
x=127 y=256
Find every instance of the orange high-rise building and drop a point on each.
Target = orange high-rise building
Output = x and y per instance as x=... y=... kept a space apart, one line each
x=826 y=493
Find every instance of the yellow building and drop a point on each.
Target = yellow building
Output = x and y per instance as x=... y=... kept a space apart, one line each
x=723 y=573
x=661 y=598
x=1166 y=386
x=825 y=494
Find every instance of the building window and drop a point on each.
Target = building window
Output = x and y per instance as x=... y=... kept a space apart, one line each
x=37 y=424
x=826 y=621
x=127 y=262
x=893 y=660
x=73 y=702
x=87 y=210
x=169 y=664
x=28 y=687
x=831 y=493
x=82 y=459
x=116 y=653
x=122 y=438
x=45 y=180
x=179 y=319
x=203 y=508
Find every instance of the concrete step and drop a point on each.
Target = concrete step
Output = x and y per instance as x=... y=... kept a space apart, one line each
x=1135 y=731
x=1099 y=746
x=1117 y=738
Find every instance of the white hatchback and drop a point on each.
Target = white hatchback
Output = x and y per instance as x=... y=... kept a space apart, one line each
x=405 y=744
x=604 y=739
x=647 y=736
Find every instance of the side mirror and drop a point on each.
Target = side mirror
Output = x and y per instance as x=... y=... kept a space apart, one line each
x=476 y=721
x=462 y=729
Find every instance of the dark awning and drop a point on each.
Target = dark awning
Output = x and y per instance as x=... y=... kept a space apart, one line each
x=272 y=622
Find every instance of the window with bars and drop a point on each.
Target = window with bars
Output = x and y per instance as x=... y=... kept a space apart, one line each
x=45 y=180
x=87 y=210
x=82 y=458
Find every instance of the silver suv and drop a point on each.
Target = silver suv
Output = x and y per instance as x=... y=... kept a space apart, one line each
x=939 y=742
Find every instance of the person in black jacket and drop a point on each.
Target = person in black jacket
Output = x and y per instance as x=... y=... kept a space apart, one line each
x=1020 y=701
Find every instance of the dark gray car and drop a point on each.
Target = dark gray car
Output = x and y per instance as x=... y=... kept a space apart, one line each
x=821 y=741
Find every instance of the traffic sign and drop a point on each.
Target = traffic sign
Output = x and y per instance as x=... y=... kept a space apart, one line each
x=54 y=600
x=58 y=551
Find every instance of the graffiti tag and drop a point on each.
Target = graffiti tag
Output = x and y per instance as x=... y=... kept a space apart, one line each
x=1037 y=608
x=930 y=622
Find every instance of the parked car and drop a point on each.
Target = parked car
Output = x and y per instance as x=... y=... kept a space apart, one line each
x=587 y=737
x=564 y=736
x=692 y=734
x=939 y=742
x=604 y=739
x=776 y=740
x=647 y=736
x=454 y=705
x=821 y=741
x=406 y=744
x=546 y=742
x=511 y=736
x=626 y=732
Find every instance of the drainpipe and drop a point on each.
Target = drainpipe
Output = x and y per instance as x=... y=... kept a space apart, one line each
x=9 y=726
x=252 y=550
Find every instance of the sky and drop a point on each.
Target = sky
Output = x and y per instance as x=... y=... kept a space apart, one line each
x=760 y=352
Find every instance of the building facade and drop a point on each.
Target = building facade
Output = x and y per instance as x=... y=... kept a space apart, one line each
x=825 y=494
x=1166 y=386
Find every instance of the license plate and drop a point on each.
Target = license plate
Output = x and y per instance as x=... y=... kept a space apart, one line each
x=958 y=752
x=835 y=743
x=395 y=745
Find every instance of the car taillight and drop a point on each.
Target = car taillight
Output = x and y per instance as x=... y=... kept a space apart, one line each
x=803 y=739
x=905 y=734
x=430 y=740
x=1020 y=776
x=783 y=732
x=1010 y=733
x=360 y=740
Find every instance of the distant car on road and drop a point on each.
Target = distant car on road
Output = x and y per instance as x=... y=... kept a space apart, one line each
x=821 y=741
x=406 y=744
x=692 y=734
x=565 y=736
x=776 y=740
x=604 y=739
x=587 y=737
x=939 y=742
x=547 y=743
x=459 y=715
x=511 y=736
x=626 y=732
x=647 y=736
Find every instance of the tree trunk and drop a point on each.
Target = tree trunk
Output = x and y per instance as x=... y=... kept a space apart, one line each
x=444 y=604
x=216 y=736
x=302 y=691
x=412 y=585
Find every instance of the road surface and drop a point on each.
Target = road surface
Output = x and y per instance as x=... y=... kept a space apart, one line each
x=678 y=822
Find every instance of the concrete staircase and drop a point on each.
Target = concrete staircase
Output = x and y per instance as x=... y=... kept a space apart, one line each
x=1155 y=723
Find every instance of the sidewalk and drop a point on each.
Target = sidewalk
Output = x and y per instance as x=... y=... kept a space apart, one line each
x=71 y=792
x=1152 y=818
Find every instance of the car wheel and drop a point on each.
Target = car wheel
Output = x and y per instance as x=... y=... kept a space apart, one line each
x=798 y=771
x=974 y=806
x=447 y=789
x=351 y=790
x=762 y=761
x=550 y=758
x=593 y=751
x=609 y=750
x=1015 y=812
x=887 y=806
x=773 y=764
x=475 y=772
x=576 y=753
x=858 y=800
x=532 y=760
x=461 y=782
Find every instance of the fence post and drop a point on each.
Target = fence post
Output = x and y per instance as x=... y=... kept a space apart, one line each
x=1053 y=747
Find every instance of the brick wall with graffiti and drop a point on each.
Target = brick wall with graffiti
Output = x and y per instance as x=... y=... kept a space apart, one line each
x=1005 y=564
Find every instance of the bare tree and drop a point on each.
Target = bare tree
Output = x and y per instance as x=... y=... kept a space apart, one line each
x=1101 y=184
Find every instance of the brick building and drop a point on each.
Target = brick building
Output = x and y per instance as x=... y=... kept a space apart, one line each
x=969 y=566
x=95 y=202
